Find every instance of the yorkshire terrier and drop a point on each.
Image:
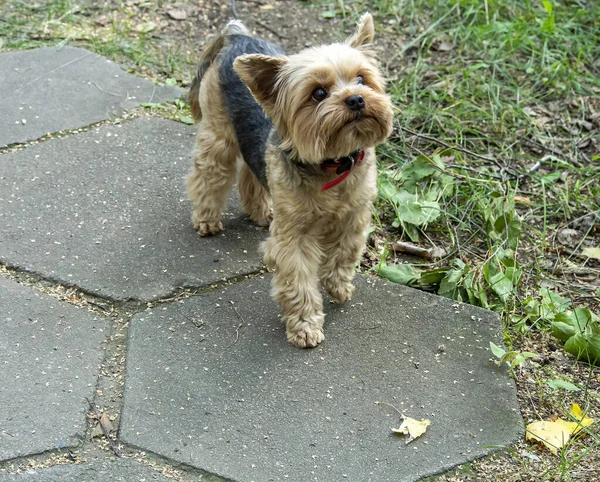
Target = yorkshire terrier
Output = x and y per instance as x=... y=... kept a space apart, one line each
x=306 y=126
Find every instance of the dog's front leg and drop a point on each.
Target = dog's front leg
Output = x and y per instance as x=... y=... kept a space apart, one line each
x=343 y=245
x=295 y=257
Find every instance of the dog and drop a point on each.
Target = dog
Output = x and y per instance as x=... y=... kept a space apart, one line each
x=306 y=126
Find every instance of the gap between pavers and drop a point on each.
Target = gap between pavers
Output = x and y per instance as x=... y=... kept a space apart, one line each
x=50 y=354
x=105 y=210
x=50 y=89
x=211 y=381
x=121 y=470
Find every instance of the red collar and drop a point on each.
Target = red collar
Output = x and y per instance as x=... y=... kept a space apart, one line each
x=343 y=165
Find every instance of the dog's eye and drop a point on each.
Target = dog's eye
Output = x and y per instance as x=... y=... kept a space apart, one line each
x=359 y=79
x=319 y=94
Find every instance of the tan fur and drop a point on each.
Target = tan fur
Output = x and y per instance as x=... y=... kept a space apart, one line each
x=213 y=173
x=256 y=200
x=315 y=235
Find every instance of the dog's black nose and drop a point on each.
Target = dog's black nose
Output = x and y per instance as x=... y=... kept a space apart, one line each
x=355 y=102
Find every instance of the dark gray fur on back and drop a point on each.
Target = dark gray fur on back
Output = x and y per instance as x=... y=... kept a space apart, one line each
x=252 y=127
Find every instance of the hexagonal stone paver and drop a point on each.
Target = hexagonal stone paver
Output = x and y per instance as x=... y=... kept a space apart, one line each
x=50 y=353
x=211 y=382
x=121 y=470
x=106 y=210
x=50 y=89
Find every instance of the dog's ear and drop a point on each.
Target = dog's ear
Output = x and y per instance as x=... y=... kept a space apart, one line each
x=260 y=74
x=365 y=32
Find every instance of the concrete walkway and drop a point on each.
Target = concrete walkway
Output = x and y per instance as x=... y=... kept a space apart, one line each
x=204 y=384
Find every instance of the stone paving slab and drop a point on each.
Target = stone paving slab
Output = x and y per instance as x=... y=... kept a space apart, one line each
x=106 y=210
x=50 y=353
x=222 y=390
x=50 y=89
x=121 y=470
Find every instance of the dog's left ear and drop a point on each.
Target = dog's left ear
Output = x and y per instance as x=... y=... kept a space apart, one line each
x=365 y=32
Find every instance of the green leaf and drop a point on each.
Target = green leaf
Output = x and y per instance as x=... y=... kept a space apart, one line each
x=502 y=286
x=438 y=162
x=412 y=232
x=171 y=81
x=432 y=279
x=577 y=345
x=186 y=119
x=550 y=178
x=387 y=190
x=581 y=319
x=328 y=14
x=498 y=351
x=417 y=169
x=552 y=303
x=562 y=331
x=584 y=348
x=411 y=209
x=513 y=232
x=450 y=282
x=403 y=274
x=548 y=25
x=558 y=384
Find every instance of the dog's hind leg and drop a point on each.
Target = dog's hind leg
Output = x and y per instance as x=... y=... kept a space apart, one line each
x=213 y=173
x=256 y=200
x=210 y=181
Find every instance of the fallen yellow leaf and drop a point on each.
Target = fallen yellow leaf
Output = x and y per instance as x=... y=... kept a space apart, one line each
x=411 y=427
x=553 y=435
x=556 y=434
x=578 y=414
x=591 y=252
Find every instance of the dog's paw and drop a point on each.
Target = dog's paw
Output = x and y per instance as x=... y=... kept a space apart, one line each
x=341 y=292
x=263 y=218
x=305 y=332
x=206 y=228
x=306 y=338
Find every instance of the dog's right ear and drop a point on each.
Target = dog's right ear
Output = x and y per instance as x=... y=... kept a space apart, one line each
x=260 y=73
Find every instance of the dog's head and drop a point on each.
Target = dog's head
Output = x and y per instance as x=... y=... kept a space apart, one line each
x=326 y=102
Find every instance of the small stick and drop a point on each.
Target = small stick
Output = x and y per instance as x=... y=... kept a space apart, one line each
x=402 y=247
x=390 y=405
x=102 y=90
x=234 y=10
x=54 y=70
x=274 y=32
x=237 y=330
x=457 y=148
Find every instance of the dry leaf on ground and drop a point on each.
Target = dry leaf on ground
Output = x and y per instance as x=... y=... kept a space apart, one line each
x=591 y=252
x=523 y=200
x=177 y=14
x=556 y=434
x=411 y=427
x=104 y=426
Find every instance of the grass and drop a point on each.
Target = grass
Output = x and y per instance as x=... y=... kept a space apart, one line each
x=495 y=158
x=496 y=117
x=117 y=30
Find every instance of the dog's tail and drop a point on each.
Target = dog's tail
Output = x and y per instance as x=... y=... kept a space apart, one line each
x=235 y=27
